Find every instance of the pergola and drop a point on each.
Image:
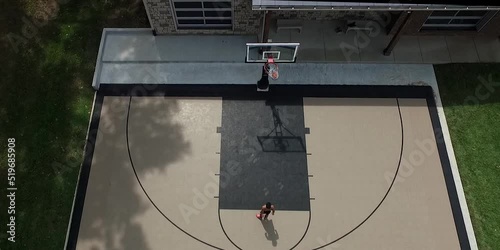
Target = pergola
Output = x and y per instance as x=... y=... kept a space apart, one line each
x=374 y=5
x=409 y=6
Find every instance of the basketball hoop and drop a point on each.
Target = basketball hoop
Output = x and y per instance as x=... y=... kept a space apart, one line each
x=271 y=68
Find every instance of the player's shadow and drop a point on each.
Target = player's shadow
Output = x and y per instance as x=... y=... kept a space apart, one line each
x=271 y=233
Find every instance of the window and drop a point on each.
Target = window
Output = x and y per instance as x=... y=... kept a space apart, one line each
x=196 y=14
x=454 y=20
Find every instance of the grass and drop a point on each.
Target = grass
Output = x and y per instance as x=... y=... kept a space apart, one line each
x=45 y=104
x=473 y=115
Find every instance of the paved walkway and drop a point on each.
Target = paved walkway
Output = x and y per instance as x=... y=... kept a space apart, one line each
x=136 y=56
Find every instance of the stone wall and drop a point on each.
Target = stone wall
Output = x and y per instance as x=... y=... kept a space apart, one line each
x=161 y=16
x=245 y=21
x=248 y=21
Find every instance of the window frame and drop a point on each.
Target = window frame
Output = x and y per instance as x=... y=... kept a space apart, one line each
x=450 y=26
x=203 y=26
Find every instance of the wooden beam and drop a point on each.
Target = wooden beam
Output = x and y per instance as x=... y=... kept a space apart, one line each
x=395 y=39
x=266 y=27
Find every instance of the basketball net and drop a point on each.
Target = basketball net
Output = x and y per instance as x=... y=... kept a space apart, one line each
x=271 y=68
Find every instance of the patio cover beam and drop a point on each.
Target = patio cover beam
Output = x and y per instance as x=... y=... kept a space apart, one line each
x=397 y=36
x=358 y=6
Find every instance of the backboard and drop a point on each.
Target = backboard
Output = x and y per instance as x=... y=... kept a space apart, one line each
x=280 y=52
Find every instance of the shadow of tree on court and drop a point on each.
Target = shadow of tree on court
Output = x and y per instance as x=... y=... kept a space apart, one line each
x=156 y=141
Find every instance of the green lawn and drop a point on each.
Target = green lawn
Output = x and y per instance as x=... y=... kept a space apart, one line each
x=473 y=115
x=45 y=102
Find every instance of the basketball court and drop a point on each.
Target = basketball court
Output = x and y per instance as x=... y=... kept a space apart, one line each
x=346 y=167
x=188 y=166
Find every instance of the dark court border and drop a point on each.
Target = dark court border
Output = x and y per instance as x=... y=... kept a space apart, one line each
x=83 y=180
x=249 y=92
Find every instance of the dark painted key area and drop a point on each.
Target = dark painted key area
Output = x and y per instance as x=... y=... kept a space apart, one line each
x=263 y=155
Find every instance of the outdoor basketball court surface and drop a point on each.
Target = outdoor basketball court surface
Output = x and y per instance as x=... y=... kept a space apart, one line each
x=189 y=166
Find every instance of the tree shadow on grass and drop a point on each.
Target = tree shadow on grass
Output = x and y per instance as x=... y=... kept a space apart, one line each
x=45 y=105
x=468 y=84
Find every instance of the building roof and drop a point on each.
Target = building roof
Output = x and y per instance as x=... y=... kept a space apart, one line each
x=378 y=4
x=429 y=2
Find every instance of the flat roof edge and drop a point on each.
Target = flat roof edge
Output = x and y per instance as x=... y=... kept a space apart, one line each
x=326 y=5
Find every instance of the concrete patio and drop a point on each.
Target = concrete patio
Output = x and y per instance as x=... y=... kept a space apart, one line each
x=136 y=56
x=320 y=43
